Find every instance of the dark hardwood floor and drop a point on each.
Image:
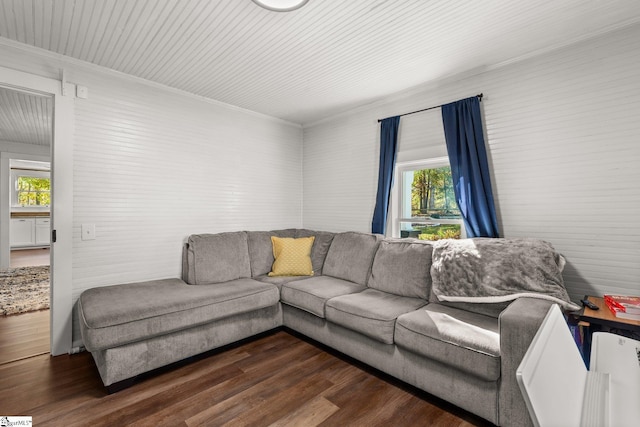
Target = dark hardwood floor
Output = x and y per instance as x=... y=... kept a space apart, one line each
x=24 y=335
x=275 y=380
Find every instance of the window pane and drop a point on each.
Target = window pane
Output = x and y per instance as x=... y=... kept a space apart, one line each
x=431 y=193
x=430 y=231
x=34 y=191
x=31 y=183
x=43 y=199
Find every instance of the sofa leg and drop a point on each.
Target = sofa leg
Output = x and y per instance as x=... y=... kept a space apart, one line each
x=120 y=385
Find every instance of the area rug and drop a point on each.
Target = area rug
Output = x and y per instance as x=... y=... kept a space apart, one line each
x=24 y=289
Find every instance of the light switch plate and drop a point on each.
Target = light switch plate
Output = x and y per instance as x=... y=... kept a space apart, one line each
x=88 y=232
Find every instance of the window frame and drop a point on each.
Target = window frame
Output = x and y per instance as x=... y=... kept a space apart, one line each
x=400 y=196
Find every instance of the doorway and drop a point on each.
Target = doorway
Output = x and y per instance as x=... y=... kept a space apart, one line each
x=61 y=210
x=26 y=134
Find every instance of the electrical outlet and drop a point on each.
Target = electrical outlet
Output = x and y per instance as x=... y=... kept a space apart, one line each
x=88 y=232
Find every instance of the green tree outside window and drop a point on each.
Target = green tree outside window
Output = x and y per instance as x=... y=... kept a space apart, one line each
x=433 y=200
x=432 y=194
x=34 y=191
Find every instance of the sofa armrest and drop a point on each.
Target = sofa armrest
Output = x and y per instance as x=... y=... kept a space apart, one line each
x=188 y=269
x=519 y=323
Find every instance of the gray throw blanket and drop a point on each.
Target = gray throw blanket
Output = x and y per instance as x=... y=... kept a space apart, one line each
x=484 y=270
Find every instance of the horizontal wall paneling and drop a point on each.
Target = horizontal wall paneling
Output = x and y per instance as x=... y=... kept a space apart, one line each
x=562 y=132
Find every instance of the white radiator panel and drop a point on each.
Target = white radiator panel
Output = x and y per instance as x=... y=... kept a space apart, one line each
x=562 y=132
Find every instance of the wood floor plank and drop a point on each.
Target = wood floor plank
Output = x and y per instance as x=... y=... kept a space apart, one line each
x=310 y=414
x=258 y=369
x=274 y=381
x=24 y=335
x=280 y=404
x=278 y=380
x=141 y=409
x=151 y=390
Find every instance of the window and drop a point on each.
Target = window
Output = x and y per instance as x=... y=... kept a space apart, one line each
x=33 y=191
x=31 y=188
x=427 y=207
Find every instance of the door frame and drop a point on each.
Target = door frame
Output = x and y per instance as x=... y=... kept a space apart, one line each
x=61 y=201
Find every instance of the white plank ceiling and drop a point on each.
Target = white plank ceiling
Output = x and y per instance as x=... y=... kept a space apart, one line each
x=302 y=66
x=25 y=118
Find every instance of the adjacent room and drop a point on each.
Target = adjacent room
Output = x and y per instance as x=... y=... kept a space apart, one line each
x=26 y=122
x=245 y=212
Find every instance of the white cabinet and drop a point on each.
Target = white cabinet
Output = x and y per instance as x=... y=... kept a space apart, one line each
x=30 y=231
x=23 y=231
x=43 y=233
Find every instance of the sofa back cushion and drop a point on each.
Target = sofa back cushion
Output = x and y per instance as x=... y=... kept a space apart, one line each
x=321 y=246
x=261 y=249
x=216 y=258
x=402 y=267
x=350 y=256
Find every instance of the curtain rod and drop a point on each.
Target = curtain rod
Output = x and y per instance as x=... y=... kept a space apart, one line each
x=426 y=109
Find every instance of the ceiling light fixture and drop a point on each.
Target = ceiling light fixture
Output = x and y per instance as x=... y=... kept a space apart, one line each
x=281 y=5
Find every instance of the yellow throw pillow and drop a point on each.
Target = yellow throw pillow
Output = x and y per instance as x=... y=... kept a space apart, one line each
x=292 y=256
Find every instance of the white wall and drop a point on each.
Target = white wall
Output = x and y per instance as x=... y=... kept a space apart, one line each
x=152 y=166
x=562 y=132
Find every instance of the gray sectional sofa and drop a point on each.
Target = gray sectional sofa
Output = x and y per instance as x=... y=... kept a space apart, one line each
x=370 y=298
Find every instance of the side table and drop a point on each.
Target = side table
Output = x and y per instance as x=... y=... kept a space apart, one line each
x=602 y=320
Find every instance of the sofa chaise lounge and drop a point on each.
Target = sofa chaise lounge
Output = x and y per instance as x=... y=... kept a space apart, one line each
x=382 y=301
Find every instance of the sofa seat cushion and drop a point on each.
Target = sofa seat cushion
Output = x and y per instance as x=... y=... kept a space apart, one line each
x=312 y=294
x=279 y=280
x=467 y=341
x=111 y=316
x=371 y=312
